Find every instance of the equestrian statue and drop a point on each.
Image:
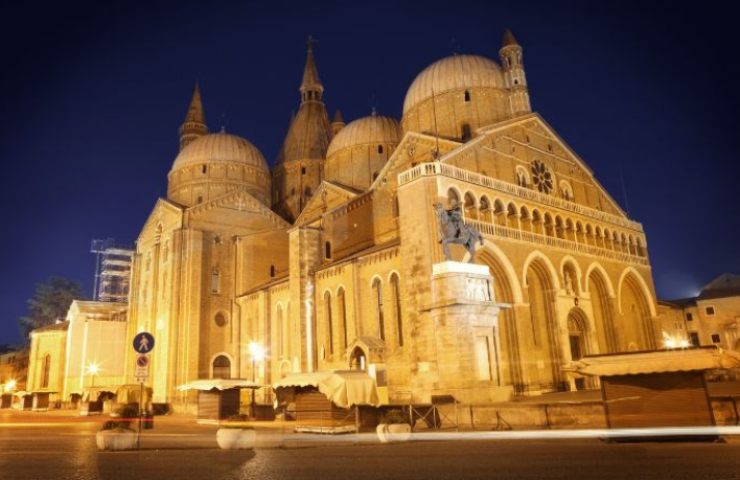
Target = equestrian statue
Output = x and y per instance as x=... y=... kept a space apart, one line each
x=452 y=229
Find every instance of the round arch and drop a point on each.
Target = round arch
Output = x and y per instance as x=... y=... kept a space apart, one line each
x=221 y=364
x=642 y=285
x=596 y=267
x=569 y=260
x=498 y=256
x=537 y=255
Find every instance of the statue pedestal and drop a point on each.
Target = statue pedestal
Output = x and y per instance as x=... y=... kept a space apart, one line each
x=466 y=342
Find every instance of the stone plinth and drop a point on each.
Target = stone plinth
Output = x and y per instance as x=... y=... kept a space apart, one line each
x=466 y=338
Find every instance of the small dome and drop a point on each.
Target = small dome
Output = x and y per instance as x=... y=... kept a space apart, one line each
x=220 y=147
x=215 y=164
x=374 y=129
x=458 y=72
x=358 y=152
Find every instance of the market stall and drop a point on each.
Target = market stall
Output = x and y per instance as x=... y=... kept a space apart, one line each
x=96 y=400
x=218 y=398
x=663 y=388
x=327 y=402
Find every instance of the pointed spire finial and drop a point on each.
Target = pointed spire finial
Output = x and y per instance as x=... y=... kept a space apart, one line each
x=194 y=124
x=373 y=112
x=338 y=117
x=311 y=87
x=508 y=39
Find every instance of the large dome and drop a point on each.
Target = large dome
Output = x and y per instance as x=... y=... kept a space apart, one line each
x=220 y=147
x=458 y=72
x=215 y=164
x=469 y=92
x=360 y=149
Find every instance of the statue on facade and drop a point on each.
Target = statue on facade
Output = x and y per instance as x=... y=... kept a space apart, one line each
x=452 y=229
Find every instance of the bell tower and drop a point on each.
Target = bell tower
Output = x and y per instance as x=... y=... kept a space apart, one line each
x=512 y=60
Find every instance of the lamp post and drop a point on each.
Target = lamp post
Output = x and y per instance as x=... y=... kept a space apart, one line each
x=257 y=352
x=93 y=369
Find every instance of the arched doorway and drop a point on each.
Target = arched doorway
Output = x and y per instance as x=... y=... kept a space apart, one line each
x=221 y=367
x=358 y=359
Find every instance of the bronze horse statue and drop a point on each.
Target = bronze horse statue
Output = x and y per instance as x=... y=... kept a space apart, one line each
x=453 y=230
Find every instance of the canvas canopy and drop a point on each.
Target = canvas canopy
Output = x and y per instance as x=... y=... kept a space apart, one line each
x=130 y=393
x=92 y=394
x=344 y=388
x=219 y=384
x=679 y=360
x=22 y=393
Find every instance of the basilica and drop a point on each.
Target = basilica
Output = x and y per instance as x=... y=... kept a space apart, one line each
x=331 y=260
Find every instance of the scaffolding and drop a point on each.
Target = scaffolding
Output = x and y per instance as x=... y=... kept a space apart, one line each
x=112 y=270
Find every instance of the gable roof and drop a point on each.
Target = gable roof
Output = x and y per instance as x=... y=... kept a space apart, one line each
x=232 y=198
x=317 y=199
x=563 y=144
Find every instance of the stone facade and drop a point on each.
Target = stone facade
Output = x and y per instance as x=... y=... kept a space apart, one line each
x=62 y=354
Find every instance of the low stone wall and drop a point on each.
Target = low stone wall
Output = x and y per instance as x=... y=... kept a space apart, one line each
x=523 y=416
x=559 y=415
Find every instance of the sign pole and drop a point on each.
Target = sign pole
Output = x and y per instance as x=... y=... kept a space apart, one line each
x=143 y=344
x=141 y=410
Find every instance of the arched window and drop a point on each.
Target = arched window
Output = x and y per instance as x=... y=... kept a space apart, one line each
x=280 y=332
x=329 y=326
x=378 y=297
x=221 y=367
x=200 y=200
x=566 y=191
x=470 y=209
x=215 y=281
x=466 y=133
x=272 y=271
x=396 y=290
x=380 y=148
x=522 y=177
x=45 y=371
x=327 y=250
x=453 y=199
x=467 y=96
x=307 y=192
x=204 y=169
x=343 y=315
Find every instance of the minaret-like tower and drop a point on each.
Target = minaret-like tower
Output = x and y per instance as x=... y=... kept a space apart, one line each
x=512 y=59
x=194 y=125
x=299 y=168
x=337 y=123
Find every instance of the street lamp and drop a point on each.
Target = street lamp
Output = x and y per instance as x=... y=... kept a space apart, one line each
x=257 y=352
x=93 y=369
x=10 y=385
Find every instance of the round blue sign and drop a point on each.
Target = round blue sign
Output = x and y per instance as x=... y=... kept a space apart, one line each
x=143 y=342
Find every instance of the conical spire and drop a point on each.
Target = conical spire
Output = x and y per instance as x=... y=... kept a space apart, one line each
x=311 y=88
x=195 y=110
x=338 y=118
x=195 y=120
x=508 y=39
x=337 y=123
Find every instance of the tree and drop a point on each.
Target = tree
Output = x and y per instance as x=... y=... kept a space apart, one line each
x=49 y=303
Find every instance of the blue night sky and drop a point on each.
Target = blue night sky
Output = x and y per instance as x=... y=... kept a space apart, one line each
x=93 y=95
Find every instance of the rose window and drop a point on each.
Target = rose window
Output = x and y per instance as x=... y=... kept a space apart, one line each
x=541 y=177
